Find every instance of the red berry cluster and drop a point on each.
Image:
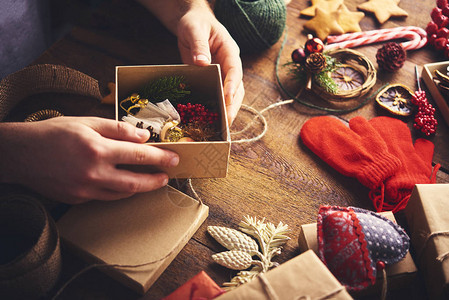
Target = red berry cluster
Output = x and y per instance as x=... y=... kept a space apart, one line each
x=424 y=119
x=195 y=113
x=437 y=29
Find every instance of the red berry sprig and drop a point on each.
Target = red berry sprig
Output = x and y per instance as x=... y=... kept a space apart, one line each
x=438 y=29
x=425 y=117
x=195 y=113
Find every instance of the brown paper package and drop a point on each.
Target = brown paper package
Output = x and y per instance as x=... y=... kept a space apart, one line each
x=427 y=213
x=399 y=275
x=148 y=227
x=303 y=277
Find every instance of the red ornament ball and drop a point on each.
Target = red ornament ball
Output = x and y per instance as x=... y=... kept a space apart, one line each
x=299 y=56
x=314 y=45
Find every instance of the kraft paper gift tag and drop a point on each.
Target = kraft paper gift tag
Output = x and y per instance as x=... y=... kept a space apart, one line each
x=149 y=228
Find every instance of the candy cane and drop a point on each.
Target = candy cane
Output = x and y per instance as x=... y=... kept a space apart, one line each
x=355 y=35
x=417 y=38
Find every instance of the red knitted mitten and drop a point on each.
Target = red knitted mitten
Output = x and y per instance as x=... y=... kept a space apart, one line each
x=358 y=151
x=416 y=162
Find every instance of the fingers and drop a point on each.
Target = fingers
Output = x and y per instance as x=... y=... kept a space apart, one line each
x=118 y=130
x=124 y=181
x=137 y=154
x=119 y=184
x=233 y=105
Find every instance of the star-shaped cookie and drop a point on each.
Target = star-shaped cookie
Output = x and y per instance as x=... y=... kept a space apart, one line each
x=324 y=23
x=326 y=5
x=383 y=9
x=349 y=20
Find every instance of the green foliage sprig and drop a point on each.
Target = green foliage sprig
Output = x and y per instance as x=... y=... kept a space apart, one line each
x=169 y=87
x=322 y=78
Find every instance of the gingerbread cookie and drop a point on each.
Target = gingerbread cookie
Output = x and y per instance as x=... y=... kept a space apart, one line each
x=326 y=5
x=383 y=9
x=349 y=20
x=324 y=23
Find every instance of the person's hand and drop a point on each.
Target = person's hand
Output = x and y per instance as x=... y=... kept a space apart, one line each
x=203 y=40
x=75 y=159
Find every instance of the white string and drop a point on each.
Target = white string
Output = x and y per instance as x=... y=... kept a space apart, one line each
x=261 y=117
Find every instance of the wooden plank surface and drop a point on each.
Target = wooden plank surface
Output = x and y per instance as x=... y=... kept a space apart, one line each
x=276 y=177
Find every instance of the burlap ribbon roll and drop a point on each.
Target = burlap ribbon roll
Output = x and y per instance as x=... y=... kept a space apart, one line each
x=44 y=78
x=30 y=238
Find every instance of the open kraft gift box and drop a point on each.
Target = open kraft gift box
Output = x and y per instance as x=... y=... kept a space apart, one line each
x=440 y=99
x=196 y=159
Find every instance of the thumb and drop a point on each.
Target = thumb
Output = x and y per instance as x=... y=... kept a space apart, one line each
x=193 y=40
x=424 y=148
x=200 y=52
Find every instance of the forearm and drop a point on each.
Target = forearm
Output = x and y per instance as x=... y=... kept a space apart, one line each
x=169 y=12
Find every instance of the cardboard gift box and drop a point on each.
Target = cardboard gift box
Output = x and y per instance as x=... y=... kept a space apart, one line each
x=303 y=277
x=399 y=275
x=145 y=231
x=197 y=159
x=428 y=220
x=427 y=75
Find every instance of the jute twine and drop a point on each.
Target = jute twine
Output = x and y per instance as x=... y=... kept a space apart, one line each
x=255 y=25
x=44 y=78
x=430 y=236
x=33 y=272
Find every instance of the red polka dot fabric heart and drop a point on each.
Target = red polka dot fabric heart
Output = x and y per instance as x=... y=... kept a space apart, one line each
x=352 y=241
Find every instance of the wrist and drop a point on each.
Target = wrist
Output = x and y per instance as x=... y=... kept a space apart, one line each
x=170 y=12
x=12 y=136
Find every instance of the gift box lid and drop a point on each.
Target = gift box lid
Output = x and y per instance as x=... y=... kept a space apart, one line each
x=147 y=229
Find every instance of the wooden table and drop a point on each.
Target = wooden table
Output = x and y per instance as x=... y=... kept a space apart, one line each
x=277 y=177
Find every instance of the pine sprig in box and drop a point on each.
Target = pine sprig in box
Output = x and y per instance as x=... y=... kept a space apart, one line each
x=204 y=158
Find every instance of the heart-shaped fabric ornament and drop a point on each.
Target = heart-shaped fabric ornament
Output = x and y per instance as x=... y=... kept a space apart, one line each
x=354 y=242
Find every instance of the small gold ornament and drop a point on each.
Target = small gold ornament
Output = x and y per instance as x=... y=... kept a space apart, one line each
x=171 y=132
x=136 y=102
x=43 y=115
x=396 y=98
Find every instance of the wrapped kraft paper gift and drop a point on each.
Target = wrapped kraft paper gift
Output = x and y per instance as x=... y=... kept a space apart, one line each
x=399 y=275
x=145 y=231
x=303 y=277
x=428 y=220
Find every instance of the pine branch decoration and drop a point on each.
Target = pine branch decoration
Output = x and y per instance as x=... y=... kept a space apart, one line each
x=170 y=87
x=243 y=247
x=322 y=78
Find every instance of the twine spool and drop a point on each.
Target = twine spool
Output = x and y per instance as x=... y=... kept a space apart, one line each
x=255 y=25
x=30 y=260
